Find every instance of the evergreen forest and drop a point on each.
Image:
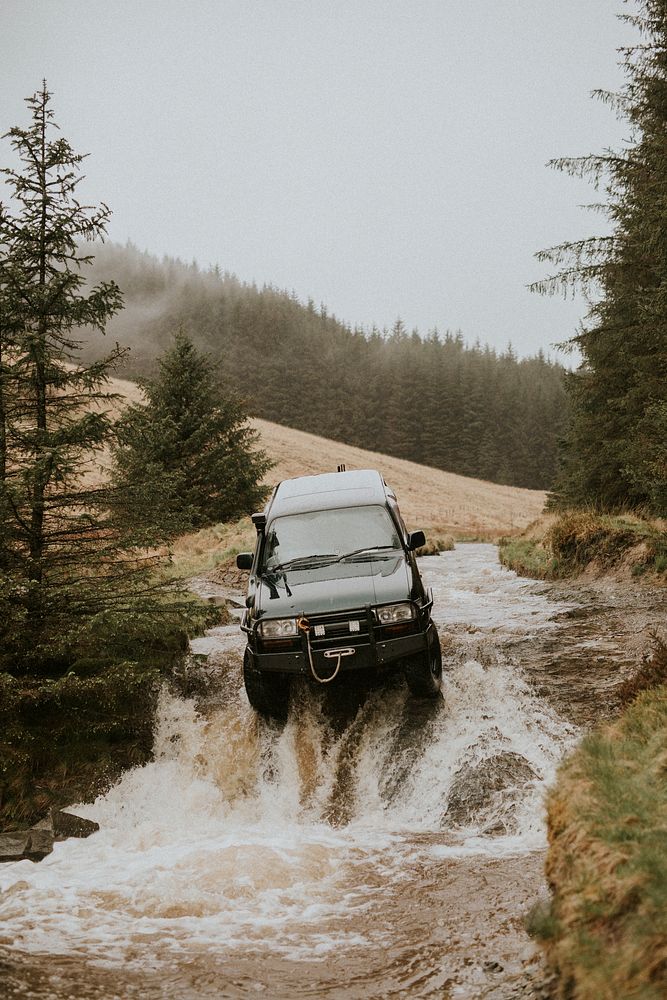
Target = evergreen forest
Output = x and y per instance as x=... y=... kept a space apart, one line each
x=433 y=400
x=615 y=453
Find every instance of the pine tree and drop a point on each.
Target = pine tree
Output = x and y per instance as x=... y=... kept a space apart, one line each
x=615 y=453
x=190 y=445
x=59 y=561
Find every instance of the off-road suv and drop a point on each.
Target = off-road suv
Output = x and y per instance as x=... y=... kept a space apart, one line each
x=334 y=588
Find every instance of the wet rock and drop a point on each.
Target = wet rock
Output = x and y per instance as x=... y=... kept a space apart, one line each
x=35 y=843
x=13 y=845
x=66 y=824
x=499 y=827
x=477 y=788
x=228 y=575
x=40 y=840
x=493 y=967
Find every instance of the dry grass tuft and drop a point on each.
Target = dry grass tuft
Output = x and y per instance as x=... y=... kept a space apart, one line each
x=650 y=674
x=435 y=545
x=579 y=537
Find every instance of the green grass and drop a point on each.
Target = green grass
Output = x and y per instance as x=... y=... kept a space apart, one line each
x=63 y=740
x=660 y=563
x=579 y=538
x=606 y=929
x=528 y=558
x=200 y=552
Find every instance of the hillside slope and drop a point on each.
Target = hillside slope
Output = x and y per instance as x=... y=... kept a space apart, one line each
x=429 y=498
x=431 y=399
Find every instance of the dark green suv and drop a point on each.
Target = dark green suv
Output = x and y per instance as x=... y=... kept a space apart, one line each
x=334 y=588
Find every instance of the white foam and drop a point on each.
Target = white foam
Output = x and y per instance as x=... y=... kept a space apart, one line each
x=225 y=840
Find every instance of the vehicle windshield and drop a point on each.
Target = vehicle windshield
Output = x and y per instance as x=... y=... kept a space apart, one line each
x=327 y=535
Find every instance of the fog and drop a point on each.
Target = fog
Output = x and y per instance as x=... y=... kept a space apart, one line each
x=384 y=159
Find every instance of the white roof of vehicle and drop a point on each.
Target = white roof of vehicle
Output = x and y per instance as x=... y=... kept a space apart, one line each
x=329 y=490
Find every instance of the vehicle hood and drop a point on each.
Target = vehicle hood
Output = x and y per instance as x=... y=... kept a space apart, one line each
x=339 y=587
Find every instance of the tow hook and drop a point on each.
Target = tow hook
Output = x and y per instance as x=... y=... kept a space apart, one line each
x=330 y=654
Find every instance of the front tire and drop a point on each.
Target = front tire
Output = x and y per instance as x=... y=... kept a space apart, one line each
x=423 y=672
x=267 y=693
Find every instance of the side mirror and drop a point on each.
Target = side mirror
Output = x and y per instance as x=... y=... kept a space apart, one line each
x=244 y=560
x=416 y=539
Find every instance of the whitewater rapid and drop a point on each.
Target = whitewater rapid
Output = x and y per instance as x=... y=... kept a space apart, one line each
x=247 y=846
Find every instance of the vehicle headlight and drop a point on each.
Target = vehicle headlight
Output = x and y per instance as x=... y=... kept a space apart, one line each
x=277 y=628
x=392 y=613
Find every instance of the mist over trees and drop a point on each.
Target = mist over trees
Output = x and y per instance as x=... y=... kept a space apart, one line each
x=431 y=399
x=616 y=449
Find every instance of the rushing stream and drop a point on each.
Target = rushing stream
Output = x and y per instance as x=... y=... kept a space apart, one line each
x=355 y=852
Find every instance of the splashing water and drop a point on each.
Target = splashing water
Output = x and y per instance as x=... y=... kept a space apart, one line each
x=246 y=853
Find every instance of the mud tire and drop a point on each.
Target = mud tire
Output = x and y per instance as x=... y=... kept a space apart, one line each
x=423 y=673
x=268 y=694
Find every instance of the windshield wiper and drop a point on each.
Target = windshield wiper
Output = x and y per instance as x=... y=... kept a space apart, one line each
x=366 y=548
x=302 y=562
x=323 y=559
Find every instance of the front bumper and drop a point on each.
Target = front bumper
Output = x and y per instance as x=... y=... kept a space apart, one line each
x=368 y=655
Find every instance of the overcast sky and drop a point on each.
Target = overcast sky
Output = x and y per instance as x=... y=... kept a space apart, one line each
x=384 y=157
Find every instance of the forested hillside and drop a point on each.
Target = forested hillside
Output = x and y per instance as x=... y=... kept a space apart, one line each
x=431 y=399
x=615 y=454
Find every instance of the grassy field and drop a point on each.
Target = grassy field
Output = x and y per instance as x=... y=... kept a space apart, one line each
x=429 y=498
x=445 y=506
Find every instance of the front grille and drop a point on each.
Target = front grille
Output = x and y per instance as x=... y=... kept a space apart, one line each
x=279 y=645
x=345 y=625
x=338 y=629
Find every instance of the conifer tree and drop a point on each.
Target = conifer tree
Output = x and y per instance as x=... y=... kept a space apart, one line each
x=66 y=570
x=59 y=561
x=189 y=445
x=615 y=453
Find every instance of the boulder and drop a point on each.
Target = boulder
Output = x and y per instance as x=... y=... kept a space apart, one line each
x=66 y=824
x=485 y=793
x=35 y=843
x=13 y=845
x=40 y=840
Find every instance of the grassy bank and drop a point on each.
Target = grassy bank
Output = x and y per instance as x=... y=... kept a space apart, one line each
x=605 y=931
x=567 y=544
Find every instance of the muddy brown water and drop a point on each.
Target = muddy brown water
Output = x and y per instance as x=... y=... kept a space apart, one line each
x=373 y=846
